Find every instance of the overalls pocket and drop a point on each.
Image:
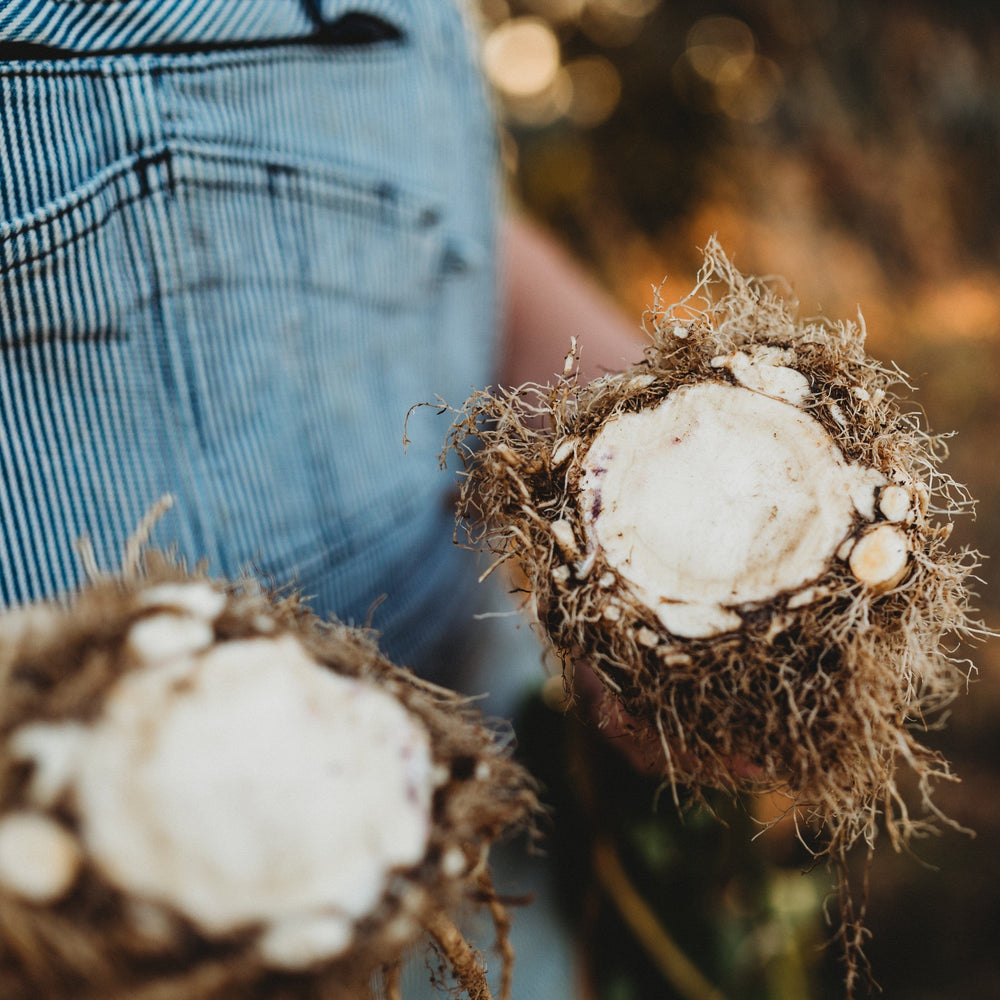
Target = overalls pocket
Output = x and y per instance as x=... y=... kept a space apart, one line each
x=215 y=318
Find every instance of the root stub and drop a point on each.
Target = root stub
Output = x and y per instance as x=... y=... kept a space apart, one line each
x=460 y=955
x=880 y=557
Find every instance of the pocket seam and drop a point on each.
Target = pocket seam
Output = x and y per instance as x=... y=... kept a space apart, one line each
x=424 y=211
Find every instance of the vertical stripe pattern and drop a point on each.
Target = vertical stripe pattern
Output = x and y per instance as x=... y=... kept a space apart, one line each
x=89 y=26
x=226 y=272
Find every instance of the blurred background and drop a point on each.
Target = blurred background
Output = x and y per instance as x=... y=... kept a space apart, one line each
x=851 y=147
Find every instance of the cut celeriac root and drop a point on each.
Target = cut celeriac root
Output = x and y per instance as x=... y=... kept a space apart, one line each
x=744 y=536
x=206 y=792
x=715 y=498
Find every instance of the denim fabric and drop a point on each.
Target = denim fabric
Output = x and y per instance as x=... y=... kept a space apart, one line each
x=237 y=242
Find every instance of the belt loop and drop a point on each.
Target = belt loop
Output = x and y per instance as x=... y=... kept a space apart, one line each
x=314 y=13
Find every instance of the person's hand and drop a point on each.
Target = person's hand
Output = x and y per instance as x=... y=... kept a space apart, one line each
x=645 y=753
x=598 y=705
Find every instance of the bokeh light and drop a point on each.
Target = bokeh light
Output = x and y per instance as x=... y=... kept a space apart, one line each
x=521 y=57
x=714 y=42
x=747 y=88
x=546 y=61
x=721 y=70
x=595 y=88
x=545 y=106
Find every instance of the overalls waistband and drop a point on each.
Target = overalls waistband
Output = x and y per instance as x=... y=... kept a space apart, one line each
x=88 y=27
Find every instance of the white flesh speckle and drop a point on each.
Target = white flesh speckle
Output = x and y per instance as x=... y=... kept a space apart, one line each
x=697 y=621
x=562 y=532
x=39 y=860
x=167 y=636
x=583 y=567
x=453 y=863
x=612 y=612
x=299 y=942
x=808 y=596
x=766 y=371
x=676 y=659
x=562 y=451
x=778 y=624
x=880 y=557
x=199 y=599
x=250 y=784
x=53 y=748
x=865 y=482
x=647 y=637
x=716 y=497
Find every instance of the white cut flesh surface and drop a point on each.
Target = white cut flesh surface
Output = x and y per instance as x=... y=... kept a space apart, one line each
x=717 y=497
x=250 y=784
x=39 y=860
x=881 y=557
x=766 y=371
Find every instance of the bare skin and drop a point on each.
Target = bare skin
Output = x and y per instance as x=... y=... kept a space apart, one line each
x=548 y=298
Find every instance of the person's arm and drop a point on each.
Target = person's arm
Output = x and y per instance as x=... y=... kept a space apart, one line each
x=547 y=299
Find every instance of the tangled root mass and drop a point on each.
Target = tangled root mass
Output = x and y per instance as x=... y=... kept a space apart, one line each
x=820 y=691
x=75 y=923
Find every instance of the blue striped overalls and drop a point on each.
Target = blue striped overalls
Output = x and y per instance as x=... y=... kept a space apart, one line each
x=238 y=240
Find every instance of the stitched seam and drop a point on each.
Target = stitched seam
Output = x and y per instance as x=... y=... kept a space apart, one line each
x=112 y=178
x=292 y=50
x=344 y=202
x=356 y=200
